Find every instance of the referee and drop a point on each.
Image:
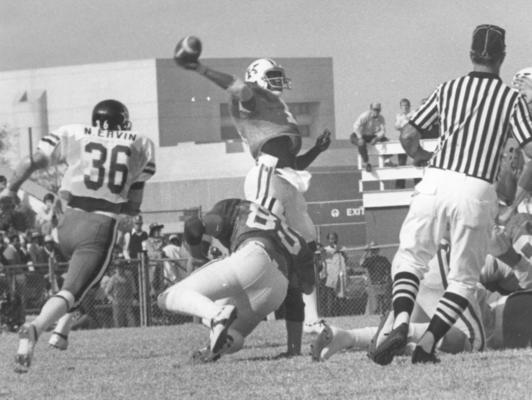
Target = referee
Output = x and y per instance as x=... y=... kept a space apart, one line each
x=476 y=113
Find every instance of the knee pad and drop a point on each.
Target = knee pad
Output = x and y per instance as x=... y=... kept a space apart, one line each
x=294 y=305
x=235 y=341
x=67 y=297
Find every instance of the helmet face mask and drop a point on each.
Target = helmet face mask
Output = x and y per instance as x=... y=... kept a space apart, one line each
x=267 y=74
x=111 y=115
x=521 y=73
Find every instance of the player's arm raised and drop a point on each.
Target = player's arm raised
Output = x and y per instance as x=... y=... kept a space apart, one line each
x=322 y=143
x=187 y=55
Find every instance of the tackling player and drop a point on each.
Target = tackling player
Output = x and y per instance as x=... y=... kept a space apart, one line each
x=266 y=124
x=107 y=167
x=494 y=319
x=233 y=295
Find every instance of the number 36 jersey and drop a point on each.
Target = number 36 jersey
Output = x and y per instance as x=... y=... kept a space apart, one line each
x=102 y=164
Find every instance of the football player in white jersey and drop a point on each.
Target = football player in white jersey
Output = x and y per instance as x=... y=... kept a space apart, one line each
x=267 y=126
x=108 y=165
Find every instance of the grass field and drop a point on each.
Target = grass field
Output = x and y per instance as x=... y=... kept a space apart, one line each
x=153 y=363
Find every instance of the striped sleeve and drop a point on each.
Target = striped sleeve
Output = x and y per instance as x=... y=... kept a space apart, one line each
x=521 y=122
x=427 y=114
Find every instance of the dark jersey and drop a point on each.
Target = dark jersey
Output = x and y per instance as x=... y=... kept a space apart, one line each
x=266 y=116
x=243 y=220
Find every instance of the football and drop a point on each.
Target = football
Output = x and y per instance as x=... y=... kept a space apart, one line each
x=187 y=50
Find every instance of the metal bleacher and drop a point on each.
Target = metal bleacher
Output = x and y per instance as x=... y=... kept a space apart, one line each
x=383 y=177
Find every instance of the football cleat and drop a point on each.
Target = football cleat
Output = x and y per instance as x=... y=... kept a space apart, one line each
x=27 y=338
x=324 y=339
x=394 y=344
x=421 y=356
x=384 y=329
x=58 y=341
x=219 y=326
x=203 y=356
x=330 y=341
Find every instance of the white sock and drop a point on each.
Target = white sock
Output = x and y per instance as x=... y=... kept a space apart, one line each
x=188 y=302
x=343 y=339
x=361 y=337
x=402 y=318
x=53 y=309
x=64 y=324
x=416 y=330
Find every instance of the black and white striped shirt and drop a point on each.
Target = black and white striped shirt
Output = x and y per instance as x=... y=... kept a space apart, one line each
x=476 y=113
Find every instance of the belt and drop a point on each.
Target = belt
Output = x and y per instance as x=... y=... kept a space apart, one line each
x=91 y=204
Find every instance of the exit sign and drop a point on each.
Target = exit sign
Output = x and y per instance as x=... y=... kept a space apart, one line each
x=336 y=212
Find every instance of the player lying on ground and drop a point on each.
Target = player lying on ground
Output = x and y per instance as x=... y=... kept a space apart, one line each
x=234 y=294
x=107 y=167
x=267 y=126
x=494 y=320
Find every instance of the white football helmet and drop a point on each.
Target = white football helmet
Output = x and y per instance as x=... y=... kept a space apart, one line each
x=269 y=75
x=523 y=72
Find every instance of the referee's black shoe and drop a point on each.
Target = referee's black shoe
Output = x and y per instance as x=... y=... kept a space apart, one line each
x=393 y=345
x=421 y=356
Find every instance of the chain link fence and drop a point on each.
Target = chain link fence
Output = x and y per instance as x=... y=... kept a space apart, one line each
x=354 y=281
x=350 y=281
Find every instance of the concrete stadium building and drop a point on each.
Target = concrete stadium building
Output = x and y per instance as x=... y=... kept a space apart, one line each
x=200 y=157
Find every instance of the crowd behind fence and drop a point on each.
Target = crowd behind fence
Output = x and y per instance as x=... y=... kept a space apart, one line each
x=126 y=295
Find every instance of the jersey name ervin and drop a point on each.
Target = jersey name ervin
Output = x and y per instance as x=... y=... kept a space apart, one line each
x=124 y=135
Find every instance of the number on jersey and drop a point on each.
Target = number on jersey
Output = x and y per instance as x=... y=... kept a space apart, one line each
x=100 y=171
x=259 y=218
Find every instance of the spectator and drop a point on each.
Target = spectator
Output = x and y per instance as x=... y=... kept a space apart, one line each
x=14 y=255
x=46 y=217
x=401 y=119
x=121 y=291
x=369 y=128
x=174 y=269
x=36 y=251
x=134 y=241
x=334 y=274
x=10 y=217
x=379 y=271
x=154 y=250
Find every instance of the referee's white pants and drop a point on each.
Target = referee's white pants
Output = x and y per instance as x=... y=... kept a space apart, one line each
x=466 y=207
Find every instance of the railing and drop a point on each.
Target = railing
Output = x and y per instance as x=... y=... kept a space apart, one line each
x=386 y=195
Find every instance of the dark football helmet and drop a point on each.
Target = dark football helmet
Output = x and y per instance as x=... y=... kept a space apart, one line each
x=111 y=115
